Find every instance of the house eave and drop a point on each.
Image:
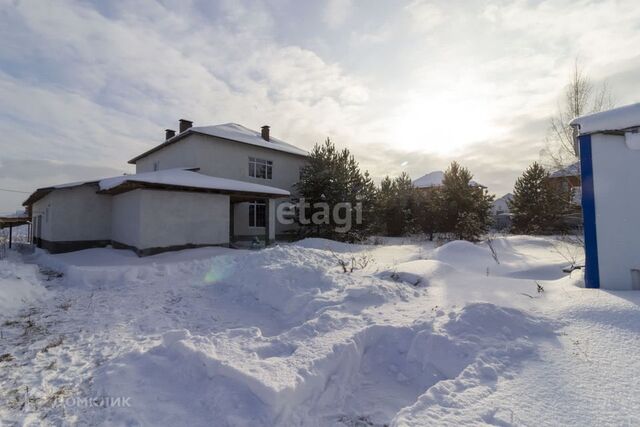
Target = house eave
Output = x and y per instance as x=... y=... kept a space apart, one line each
x=134 y=185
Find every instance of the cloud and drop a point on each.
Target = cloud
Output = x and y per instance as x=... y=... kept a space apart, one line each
x=28 y=174
x=336 y=12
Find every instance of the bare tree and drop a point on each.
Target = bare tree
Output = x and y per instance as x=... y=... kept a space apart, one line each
x=581 y=97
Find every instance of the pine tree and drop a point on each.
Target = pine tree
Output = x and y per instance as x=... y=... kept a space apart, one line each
x=538 y=206
x=464 y=209
x=397 y=206
x=333 y=176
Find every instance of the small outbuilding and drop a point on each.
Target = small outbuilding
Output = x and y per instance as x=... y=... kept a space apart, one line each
x=609 y=145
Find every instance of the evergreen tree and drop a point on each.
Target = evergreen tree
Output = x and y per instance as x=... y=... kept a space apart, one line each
x=464 y=209
x=397 y=206
x=538 y=206
x=428 y=215
x=333 y=176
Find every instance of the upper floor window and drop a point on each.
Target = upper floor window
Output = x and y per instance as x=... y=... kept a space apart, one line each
x=156 y=165
x=260 y=168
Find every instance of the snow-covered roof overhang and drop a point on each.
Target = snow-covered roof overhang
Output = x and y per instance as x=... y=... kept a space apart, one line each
x=230 y=132
x=169 y=179
x=182 y=179
x=618 y=120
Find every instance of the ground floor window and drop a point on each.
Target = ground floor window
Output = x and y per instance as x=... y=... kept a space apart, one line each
x=257 y=214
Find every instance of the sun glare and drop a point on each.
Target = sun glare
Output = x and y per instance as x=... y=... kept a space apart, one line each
x=443 y=124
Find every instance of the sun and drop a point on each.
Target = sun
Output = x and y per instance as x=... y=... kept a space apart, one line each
x=443 y=123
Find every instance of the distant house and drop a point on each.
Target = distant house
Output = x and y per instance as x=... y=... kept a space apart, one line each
x=501 y=212
x=434 y=180
x=209 y=185
x=610 y=171
x=568 y=178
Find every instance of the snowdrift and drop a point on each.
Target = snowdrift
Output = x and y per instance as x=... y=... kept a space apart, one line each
x=20 y=287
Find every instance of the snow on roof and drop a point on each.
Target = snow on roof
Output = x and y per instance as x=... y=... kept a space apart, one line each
x=502 y=204
x=616 y=119
x=169 y=177
x=187 y=178
x=240 y=133
x=571 y=170
x=233 y=132
x=434 y=179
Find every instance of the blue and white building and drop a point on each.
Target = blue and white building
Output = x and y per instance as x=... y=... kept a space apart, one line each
x=610 y=167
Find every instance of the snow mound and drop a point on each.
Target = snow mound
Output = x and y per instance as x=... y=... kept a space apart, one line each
x=327 y=245
x=377 y=373
x=19 y=287
x=418 y=272
x=463 y=254
x=491 y=320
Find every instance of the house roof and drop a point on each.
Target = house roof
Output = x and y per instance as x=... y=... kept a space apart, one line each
x=189 y=179
x=231 y=132
x=434 y=179
x=170 y=179
x=571 y=170
x=617 y=119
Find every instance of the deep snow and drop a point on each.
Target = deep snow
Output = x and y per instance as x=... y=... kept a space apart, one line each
x=415 y=335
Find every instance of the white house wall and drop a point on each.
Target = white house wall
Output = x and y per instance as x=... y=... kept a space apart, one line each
x=125 y=219
x=74 y=214
x=175 y=218
x=616 y=175
x=225 y=159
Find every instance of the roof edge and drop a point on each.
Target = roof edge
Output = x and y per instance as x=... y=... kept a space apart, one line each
x=193 y=130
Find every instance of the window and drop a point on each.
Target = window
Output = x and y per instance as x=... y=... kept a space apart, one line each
x=260 y=168
x=257 y=214
x=156 y=165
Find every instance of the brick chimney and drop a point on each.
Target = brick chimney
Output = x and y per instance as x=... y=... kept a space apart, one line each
x=185 y=124
x=168 y=134
x=265 y=133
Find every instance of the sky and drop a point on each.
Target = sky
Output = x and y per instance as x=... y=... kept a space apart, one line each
x=405 y=85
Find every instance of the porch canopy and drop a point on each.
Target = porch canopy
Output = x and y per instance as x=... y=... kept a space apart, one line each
x=13 y=221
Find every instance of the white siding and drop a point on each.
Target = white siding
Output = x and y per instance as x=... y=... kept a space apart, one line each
x=616 y=171
x=157 y=219
x=74 y=214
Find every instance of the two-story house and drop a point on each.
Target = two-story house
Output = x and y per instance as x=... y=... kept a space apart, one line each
x=208 y=185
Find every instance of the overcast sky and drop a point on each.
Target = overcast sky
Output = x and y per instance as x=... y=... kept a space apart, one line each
x=406 y=85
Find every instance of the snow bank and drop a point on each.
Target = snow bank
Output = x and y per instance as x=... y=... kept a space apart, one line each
x=418 y=272
x=377 y=371
x=19 y=286
x=464 y=255
x=327 y=245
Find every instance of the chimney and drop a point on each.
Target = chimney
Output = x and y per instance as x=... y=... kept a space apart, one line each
x=265 y=133
x=168 y=134
x=185 y=124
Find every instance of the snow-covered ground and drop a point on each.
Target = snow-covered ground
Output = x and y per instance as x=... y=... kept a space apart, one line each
x=414 y=335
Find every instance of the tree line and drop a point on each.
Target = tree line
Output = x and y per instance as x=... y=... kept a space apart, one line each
x=456 y=209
